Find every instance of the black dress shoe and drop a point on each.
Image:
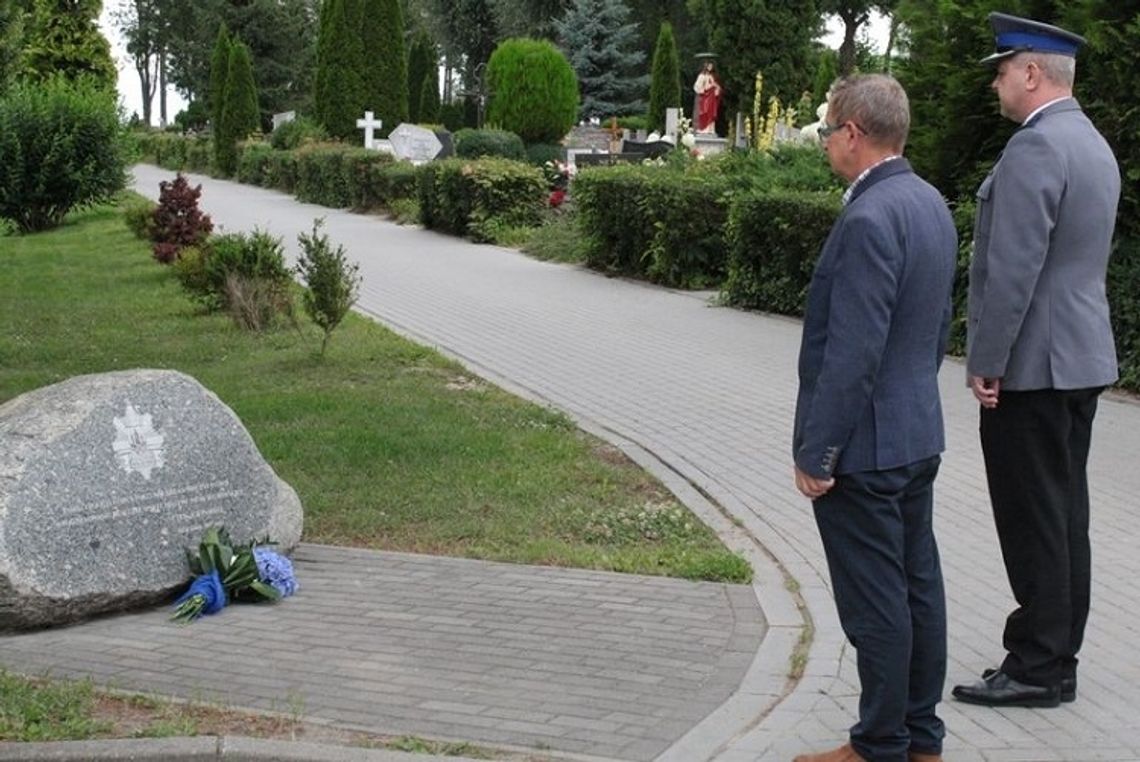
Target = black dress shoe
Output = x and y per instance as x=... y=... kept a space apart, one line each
x=999 y=689
x=1068 y=686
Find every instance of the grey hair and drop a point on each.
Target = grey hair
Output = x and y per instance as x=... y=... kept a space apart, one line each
x=875 y=102
x=1058 y=69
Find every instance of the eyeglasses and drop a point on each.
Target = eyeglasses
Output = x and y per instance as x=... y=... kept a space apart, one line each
x=826 y=130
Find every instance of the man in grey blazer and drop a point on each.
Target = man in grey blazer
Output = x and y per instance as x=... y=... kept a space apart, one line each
x=1040 y=350
x=868 y=427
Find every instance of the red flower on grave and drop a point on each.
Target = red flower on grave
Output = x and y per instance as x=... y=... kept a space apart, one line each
x=557 y=197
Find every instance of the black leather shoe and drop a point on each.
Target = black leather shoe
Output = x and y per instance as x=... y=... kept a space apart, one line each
x=999 y=689
x=1068 y=686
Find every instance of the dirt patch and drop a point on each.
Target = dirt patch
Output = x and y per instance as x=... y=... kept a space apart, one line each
x=139 y=716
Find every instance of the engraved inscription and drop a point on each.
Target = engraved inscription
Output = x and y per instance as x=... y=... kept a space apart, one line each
x=193 y=502
x=138 y=447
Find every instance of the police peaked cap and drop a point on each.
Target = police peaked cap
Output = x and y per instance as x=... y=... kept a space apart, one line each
x=1013 y=35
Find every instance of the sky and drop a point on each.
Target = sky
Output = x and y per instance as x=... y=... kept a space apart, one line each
x=131 y=98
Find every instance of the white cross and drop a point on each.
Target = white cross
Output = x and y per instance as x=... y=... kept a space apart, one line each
x=369 y=124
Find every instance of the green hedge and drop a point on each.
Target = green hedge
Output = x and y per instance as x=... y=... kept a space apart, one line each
x=471 y=144
x=660 y=223
x=336 y=175
x=475 y=197
x=1124 y=299
x=774 y=237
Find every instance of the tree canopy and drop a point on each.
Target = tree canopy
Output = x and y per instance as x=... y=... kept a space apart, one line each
x=601 y=44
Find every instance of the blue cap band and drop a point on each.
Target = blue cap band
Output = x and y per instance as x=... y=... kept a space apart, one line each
x=1041 y=42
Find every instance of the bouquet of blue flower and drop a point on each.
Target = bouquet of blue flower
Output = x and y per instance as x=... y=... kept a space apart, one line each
x=225 y=572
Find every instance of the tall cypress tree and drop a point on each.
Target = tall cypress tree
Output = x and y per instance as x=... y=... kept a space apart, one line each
x=429 y=95
x=665 y=87
x=219 y=72
x=240 y=114
x=385 y=74
x=63 y=37
x=601 y=46
x=339 y=93
x=421 y=56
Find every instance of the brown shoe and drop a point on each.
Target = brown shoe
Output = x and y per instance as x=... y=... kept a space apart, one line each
x=916 y=757
x=843 y=754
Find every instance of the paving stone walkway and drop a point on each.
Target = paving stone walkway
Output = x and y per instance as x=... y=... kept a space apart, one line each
x=703 y=397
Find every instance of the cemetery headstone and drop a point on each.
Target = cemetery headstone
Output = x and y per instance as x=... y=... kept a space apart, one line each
x=370 y=124
x=283 y=118
x=415 y=143
x=671 y=117
x=448 y=145
x=106 y=480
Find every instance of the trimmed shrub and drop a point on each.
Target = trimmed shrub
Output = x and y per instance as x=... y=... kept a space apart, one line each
x=392 y=181
x=178 y=222
x=534 y=90
x=139 y=216
x=334 y=175
x=540 y=153
x=477 y=197
x=774 y=237
x=471 y=144
x=320 y=176
x=281 y=171
x=253 y=162
x=611 y=205
x=662 y=223
x=296 y=133
x=61 y=148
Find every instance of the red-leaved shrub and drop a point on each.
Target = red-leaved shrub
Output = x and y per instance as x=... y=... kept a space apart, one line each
x=178 y=222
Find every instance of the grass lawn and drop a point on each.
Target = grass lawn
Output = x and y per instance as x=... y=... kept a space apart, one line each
x=388 y=444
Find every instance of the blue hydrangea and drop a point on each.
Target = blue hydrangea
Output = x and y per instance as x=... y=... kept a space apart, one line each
x=275 y=570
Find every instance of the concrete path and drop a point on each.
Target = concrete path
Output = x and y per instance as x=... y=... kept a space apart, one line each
x=703 y=397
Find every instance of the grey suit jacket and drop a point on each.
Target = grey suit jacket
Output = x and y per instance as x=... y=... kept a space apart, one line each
x=875 y=330
x=1038 y=313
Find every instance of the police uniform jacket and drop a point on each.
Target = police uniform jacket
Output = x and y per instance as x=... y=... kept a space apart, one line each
x=1038 y=314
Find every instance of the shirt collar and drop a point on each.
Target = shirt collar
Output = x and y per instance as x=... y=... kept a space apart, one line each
x=863 y=176
x=1041 y=108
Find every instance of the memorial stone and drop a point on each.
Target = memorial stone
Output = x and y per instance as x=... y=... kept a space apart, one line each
x=105 y=482
x=415 y=143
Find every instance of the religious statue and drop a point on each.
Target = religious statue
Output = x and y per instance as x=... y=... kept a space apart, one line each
x=709 y=92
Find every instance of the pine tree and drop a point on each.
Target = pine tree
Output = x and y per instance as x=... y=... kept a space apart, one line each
x=385 y=73
x=240 y=113
x=219 y=71
x=665 y=88
x=339 y=93
x=600 y=45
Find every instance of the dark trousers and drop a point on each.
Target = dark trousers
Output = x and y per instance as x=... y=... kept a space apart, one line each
x=877 y=533
x=1036 y=446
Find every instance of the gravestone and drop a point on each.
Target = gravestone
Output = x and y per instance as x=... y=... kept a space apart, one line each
x=448 y=145
x=283 y=118
x=414 y=143
x=370 y=124
x=106 y=480
x=672 y=117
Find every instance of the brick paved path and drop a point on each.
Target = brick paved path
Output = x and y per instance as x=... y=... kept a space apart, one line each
x=703 y=396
